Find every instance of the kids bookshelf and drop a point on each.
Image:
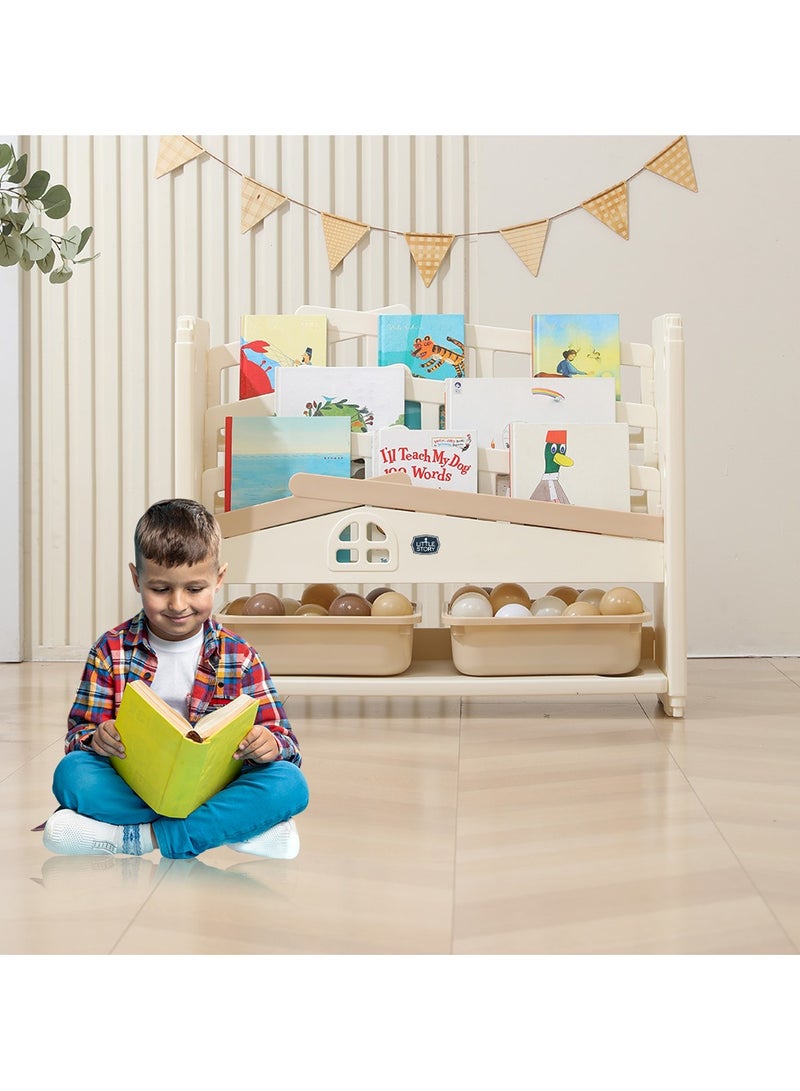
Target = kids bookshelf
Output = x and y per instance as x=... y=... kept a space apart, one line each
x=359 y=534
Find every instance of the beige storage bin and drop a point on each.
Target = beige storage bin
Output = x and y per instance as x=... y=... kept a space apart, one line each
x=358 y=646
x=546 y=645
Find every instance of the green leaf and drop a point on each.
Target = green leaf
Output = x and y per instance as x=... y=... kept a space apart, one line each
x=85 y=236
x=10 y=249
x=6 y=155
x=19 y=219
x=82 y=261
x=56 y=202
x=46 y=264
x=37 y=184
x=37 y=242
x=26 y=263
x=59 y=276
x=69 y=243
x=19 y=170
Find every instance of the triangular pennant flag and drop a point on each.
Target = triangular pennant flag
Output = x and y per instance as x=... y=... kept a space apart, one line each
x=257 y=202
x=428 y=252
x=611 y=208
x=340 y=236
x=173 y=152
x=675 y=164
x=527 y=242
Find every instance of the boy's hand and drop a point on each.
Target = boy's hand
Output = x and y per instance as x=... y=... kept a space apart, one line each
x=106 y=740
x=258 y=745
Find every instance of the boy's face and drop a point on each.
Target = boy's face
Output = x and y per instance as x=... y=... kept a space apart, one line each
x=177 y=601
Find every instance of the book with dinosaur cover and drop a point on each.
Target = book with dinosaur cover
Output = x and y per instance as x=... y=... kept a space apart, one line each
x=263 y=452
x=172 y=765
x=583 y=464
x=436 y=458
x=270 y=341
x=368 y=397
x=430 y=345
x=575 y=346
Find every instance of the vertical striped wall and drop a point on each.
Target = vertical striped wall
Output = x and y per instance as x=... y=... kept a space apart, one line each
x=98 y=401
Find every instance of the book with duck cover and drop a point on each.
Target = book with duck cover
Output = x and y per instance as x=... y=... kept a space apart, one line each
x=583 y=464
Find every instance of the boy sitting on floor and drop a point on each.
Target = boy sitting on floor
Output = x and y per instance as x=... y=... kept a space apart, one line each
x=195 y=665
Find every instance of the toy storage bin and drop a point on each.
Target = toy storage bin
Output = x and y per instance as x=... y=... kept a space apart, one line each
x=356 y=646
x=546 y=645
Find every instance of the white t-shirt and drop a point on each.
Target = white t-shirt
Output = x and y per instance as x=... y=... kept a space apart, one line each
x=177 y=665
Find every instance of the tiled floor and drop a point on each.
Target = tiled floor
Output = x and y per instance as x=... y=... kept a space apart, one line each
x=548 y=826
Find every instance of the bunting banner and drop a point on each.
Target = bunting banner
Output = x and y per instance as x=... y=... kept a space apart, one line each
x=173 y=152
x=428 y=252
x=257 y=202
x=527 y=242
x=675 y=163
x=611 y=208
x=340 y=237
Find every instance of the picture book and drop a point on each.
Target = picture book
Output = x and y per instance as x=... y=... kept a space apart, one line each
x=491 y=404
x=576 y=345
x=584 y=464
x=436 y=458
x=170 y=764
x=263 y=452
x=430 y=345
x=269 y=341
x=367 y=397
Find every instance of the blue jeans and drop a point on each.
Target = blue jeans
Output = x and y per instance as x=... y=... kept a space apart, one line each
x=260 y=797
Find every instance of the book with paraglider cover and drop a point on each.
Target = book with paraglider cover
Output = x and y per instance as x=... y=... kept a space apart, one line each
x=576 y=346
x=271 y=341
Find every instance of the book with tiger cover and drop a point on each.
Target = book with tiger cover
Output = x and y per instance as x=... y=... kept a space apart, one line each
x=430 y=345
x=270 y=341
x=172 y=765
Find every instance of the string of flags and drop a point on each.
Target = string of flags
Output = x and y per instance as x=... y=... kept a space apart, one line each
x=428 y=251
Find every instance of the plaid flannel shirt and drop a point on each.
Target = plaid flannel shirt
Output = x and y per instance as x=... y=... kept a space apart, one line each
x=227 y=667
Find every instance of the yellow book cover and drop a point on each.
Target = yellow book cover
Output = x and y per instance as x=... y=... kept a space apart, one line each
x=172 y=765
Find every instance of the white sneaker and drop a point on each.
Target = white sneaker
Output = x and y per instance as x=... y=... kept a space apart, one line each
x=68 y=833
x=281 y=842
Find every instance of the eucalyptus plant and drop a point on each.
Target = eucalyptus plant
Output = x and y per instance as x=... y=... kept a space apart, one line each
x=25 y=243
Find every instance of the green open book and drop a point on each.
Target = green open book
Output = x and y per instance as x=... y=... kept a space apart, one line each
x=172 y=765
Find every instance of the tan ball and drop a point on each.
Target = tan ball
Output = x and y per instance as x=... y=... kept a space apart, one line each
x=320 y=594
x=565 y=593
x=621 y=600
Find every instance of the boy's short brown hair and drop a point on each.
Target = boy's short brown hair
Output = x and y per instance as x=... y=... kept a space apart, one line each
x=176 y=532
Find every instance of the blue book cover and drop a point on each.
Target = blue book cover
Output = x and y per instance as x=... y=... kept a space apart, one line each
x=262 y=453
x=430 y=345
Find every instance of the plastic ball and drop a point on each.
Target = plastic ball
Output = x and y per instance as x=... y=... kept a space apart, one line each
x=392 y=604
x=350 y=605
x=513 y=609
x=508 y=592
x=591 y=594
x=567 y=594
x=290 y=605
x=237 y=606
x=621 y=600
x=468 y=589
x=311 y=609
x=548 y=606
x=373 y=594
x=471 y=604
x=582 y=609
x=320 y=594
x=264 y=604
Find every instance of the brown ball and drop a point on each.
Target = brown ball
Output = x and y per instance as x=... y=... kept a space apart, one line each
x=566 y=594
x=350 y=605
x=237 y=606
x=264 y=604
x=320 y=594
